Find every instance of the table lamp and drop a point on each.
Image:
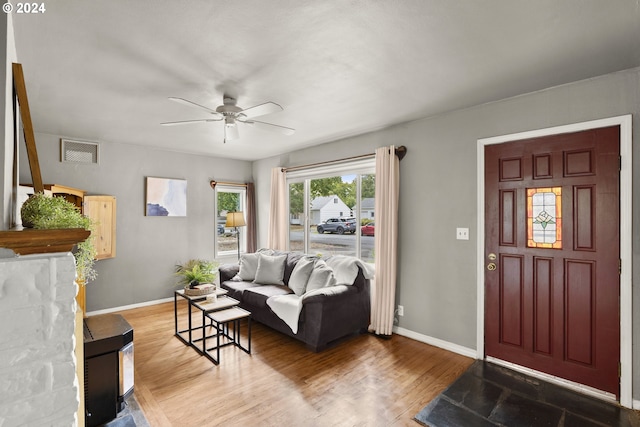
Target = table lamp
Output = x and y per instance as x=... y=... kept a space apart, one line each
x=235 y=220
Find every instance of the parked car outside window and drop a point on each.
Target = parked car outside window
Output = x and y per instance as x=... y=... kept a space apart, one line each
x=368 y=230
x=337 y=225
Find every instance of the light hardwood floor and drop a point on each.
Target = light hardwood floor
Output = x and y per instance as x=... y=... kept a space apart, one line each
x=363 y=381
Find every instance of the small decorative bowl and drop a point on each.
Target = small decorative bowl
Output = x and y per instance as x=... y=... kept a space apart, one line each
x=203 y=289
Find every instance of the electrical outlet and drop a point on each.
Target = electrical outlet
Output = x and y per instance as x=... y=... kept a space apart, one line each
x=401 y=310
x=462 y=233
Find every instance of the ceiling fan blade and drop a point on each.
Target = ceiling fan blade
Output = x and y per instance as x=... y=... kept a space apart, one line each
x=193 y=104
x=270 y=127
x=262 y=109
x=231 y=132
x=186 y=122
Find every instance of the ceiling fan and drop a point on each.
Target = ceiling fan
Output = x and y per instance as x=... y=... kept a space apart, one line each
x=231 y=114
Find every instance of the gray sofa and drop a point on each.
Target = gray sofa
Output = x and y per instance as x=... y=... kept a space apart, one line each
x=327 y=315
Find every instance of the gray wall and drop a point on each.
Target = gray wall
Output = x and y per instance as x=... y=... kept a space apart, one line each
x=147 y=247
x=437 y=276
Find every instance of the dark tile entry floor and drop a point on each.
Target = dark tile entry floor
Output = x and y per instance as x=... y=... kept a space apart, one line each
x=490 y=395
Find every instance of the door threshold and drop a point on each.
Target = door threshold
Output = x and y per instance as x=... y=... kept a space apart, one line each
x=580 y=388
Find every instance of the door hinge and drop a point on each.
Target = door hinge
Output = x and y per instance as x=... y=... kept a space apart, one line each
x=619 y=370
x=620 y=163
x=620 y=266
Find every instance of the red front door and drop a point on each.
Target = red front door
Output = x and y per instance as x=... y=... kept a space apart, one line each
x=552 y=255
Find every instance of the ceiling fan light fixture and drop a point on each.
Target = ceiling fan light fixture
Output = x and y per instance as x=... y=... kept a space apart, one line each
x=230 y=129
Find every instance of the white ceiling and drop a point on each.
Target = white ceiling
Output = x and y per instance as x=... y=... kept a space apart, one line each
x=102 y=70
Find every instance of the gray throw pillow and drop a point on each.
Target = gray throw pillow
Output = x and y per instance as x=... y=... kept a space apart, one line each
x=300 y=275
x=248 y=267
x=270 y=269
x=321 y=276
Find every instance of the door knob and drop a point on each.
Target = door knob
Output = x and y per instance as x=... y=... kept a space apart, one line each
x=491 y=266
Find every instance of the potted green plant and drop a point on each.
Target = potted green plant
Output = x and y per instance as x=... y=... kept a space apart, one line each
x=196 y=272
x=44 y=212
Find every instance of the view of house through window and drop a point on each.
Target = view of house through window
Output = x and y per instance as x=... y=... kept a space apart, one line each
x=229 y=199
x=333 y=215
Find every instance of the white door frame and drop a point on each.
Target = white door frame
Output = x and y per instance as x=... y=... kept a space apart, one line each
x=626 y=301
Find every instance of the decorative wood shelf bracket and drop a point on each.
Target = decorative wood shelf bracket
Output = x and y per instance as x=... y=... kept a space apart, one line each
x=29 y=137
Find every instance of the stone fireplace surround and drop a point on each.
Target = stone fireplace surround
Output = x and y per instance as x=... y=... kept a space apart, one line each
x=38 y=383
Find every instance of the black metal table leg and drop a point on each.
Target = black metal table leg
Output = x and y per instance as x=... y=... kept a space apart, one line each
x=178 y=333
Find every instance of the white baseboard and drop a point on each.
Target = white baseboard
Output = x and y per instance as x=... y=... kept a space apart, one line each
x=436 y=342
x=636 y=404
x=129 y=307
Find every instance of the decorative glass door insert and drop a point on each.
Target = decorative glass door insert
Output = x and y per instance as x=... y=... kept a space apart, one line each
x=544 y=217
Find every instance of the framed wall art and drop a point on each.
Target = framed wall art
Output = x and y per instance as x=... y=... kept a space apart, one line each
x=166 y=197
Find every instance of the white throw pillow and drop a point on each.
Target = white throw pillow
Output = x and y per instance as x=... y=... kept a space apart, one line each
x=270 y=269
x=321 y=276
x=300 y=275
x=248 y=267
x=345 y=268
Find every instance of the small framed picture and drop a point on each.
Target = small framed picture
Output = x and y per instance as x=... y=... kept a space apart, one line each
x=166 y=197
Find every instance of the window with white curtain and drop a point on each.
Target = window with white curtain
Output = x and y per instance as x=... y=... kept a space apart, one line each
x=329 y=206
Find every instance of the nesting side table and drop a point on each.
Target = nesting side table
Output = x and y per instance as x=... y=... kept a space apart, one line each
x=180 y=334
x=227 y=328
x=222 y=314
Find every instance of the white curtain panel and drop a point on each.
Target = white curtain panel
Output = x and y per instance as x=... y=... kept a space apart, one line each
x=278 y=212
x=386 y=240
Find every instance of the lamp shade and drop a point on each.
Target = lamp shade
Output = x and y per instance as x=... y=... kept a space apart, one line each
x=235 y=219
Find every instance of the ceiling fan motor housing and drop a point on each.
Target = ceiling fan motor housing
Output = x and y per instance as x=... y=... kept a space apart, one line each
x=229 y=107
x=229 y=110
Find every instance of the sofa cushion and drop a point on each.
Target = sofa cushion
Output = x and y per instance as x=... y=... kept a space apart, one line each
x=248 y=266
x=292 y=261
x=321 y=276
x=270 y=269
x=236 y=288
x=257 y=296
x=300 y=275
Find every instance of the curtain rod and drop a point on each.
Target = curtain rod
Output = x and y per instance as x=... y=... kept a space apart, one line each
x=213 y=184
x=401 y=151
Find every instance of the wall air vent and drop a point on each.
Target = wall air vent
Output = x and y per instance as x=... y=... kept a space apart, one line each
x=78 y=151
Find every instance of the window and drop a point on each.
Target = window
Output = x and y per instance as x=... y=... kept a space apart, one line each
x=328 y=207
x=544 y=217
x=229 y=199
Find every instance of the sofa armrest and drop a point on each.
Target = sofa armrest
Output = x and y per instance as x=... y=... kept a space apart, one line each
x=328 y=293
x=228 y=271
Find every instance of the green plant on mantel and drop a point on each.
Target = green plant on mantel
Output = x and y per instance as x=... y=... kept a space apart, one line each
x=196 y=271
x=44 y=212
